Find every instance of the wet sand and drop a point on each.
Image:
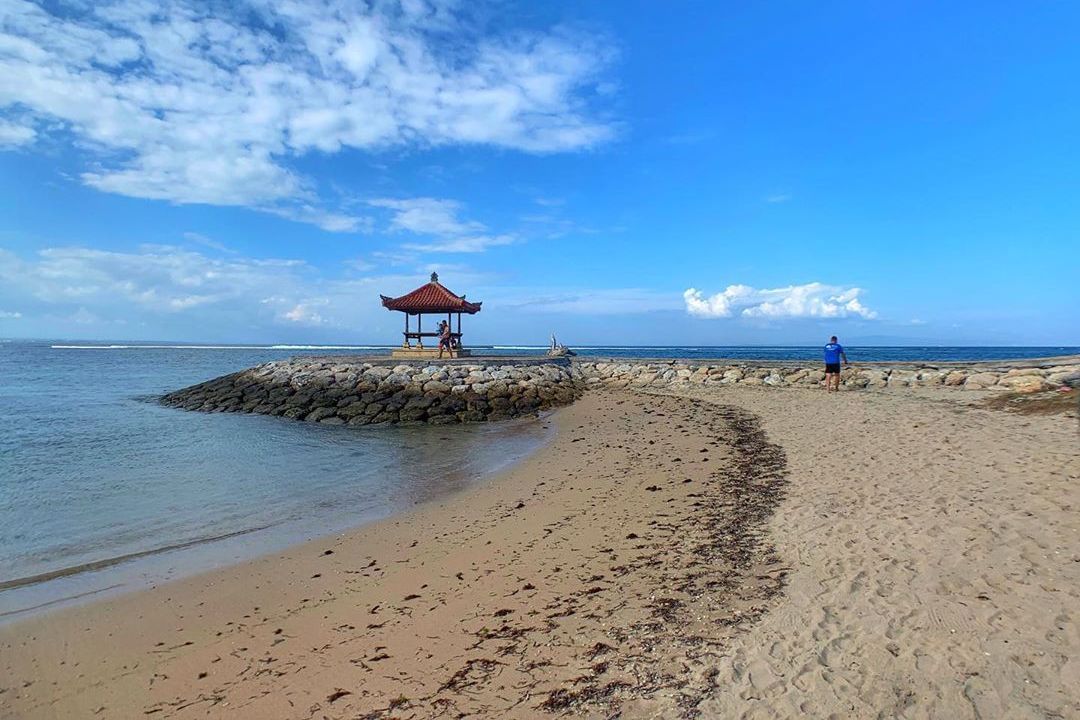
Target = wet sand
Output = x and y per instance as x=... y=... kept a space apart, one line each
x=725 y=555
x=607 y=570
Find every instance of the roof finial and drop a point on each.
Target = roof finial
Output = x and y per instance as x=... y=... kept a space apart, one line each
x=434 y=277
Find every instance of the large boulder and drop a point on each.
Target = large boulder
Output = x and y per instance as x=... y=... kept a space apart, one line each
x=732 y=376
x=1024 y=383
x=930 y=377
x=899 y=378
x=1025 y=372
x=874 y=377
x=796 y=376
x=979 y=381
x=319 y=413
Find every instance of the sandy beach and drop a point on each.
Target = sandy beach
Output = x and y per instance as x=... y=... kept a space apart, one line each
x=727 y=552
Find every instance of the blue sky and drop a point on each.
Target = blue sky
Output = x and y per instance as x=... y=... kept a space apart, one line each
x=633 y=173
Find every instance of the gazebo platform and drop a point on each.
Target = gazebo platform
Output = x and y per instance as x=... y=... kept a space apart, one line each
x=419 y=353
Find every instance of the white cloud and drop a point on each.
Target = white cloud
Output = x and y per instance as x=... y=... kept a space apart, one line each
x=14 y=134
x=158 y=279
x=164 y=292
x=778 y=198
x=304 y=313
x=468 y=244
x=196 y=103
x=82 y=316
x=813 y=300
x=439 y=219
x=428 y=216
x=182 y=288
x=10 y=315
x=200 y=239
x=360 y=265
x=585 y=301
x=329 y=221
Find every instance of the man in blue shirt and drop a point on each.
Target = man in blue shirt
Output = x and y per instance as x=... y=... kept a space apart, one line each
x=833 y=352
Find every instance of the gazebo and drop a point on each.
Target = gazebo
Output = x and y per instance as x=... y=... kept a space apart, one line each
x=430 y=299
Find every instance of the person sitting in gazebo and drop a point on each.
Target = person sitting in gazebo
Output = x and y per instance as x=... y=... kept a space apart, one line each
x=446 y=339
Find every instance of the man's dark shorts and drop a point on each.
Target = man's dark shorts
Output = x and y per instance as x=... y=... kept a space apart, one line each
x=832 y=368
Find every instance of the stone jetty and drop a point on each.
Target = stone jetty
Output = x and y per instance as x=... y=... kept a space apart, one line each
x=358 y=391
x=1015 y=375
x=365 y=391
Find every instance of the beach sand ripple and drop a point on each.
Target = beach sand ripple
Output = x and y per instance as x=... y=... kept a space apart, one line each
x=935 y=551
x=606 y=573
x=699 y=551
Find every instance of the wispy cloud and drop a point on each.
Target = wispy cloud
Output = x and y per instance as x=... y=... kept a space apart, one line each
x=305 y=313
x=586 y=301
x=159 y=282
x=360 y=265
x=184 y=292
x=439 y=219
x=778 y=198
x=15 y=134
x=200 y=239
x=463 y=244
x=427 y=216
x=812 y=300
x=326 y=219
x=196 y=103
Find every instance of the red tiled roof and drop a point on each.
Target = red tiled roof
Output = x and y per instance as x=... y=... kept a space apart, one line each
x=431 y=298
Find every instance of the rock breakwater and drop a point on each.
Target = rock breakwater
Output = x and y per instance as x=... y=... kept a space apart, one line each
x=363 y=391
x=1017 y=376
x=339 y=391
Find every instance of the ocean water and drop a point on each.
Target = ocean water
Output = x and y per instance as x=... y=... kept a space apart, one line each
x=102 y=490
x=874 y=353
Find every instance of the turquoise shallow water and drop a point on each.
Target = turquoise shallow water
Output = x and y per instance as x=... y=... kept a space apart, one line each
x=91 y=470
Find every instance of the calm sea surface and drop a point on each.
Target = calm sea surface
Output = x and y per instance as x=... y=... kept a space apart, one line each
x=92 y=471
x=102 y=489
